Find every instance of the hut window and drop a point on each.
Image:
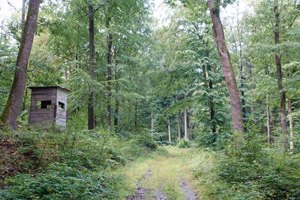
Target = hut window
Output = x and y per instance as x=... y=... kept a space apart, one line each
x=61 y=105
x=43 y=104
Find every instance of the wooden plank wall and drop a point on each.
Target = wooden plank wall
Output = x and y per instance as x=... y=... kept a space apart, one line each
x=42 y=115
x=61 y=114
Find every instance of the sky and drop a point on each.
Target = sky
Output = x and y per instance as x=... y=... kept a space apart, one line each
x=7 y=7
x=160 y=11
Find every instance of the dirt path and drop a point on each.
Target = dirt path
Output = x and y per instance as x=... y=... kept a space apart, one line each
x=166 y=175
x=189 y=192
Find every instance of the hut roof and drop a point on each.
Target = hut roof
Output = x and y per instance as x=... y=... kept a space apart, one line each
x=49 y=87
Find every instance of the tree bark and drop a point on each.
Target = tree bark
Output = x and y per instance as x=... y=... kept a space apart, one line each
x=291 y=123
x=109 y=75
x=14 y=101
x=117 y=103
x=135 y=113
x=186 y=135
x=211 y=102
x=179 y=128
x=268 y=122
x=191 y=123
x=23 y=12
x=223 y=52
x=279 y=73
x=152 y=121
x=91 y=118
x=169 y=127
x=242 y=83
x=242 y=77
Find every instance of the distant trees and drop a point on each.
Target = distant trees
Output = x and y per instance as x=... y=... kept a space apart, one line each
x=271 y=49
x=128 y=77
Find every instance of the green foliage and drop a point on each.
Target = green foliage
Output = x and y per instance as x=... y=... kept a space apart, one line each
x=68 y=165
x=217 y=141
x=146 y=140
x=255 y=172
x=64 y=182
x=184 y=144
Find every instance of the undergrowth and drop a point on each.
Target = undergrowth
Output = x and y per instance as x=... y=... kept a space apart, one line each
x=253 y=171
x=53 y=164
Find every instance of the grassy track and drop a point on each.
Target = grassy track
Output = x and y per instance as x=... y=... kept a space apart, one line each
x=163 y=173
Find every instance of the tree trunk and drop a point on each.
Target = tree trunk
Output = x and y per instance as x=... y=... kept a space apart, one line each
x=117 y=103
x=186 y=135
x=191 y=123
x=169 y=126
x=242 y=85
x=91 y=118
x=14 y=101
x=268 y=122
x=23 y=12
x=179 y=129
x=242 y=77
x=235 y=101
x=279 y=73
x=152 y=122
x=211 y=103
x=109 y=75
x=291 y=123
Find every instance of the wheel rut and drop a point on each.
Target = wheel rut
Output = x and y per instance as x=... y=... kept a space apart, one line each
x=146 y=193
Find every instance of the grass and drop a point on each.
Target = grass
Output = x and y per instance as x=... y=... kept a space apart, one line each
x=168 y=165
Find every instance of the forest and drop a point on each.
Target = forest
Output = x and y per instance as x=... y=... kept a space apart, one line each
x=150 y=99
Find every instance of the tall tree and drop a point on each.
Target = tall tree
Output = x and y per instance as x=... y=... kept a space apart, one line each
x=109 y=72
x=179 y=123
x=91 y=117
x=235 y=102
x=291 y=123
x=23 y=12
x=186 y=135
x=14 y=101
x=277 y=10
x=169 y=126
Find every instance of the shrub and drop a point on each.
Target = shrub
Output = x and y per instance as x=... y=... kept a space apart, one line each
x=256 y=172
x=146 y=140
x=184 y=144
x=217 y=141
x=63 y=182
x=68 y=165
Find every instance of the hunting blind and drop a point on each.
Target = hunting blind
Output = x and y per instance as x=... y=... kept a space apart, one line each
x=48 y=105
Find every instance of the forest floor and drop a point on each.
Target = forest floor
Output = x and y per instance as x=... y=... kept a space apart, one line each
x=167 y=174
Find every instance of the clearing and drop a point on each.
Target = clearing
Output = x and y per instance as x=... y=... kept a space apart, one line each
x=168 y=174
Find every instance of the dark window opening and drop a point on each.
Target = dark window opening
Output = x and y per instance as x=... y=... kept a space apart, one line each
x=43 y=104
x=61 y=105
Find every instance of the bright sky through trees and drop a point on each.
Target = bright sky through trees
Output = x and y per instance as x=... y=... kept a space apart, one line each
x=160 y=11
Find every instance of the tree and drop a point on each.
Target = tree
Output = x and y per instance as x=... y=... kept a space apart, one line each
x=186 y=134
x=14 y=101
x=277 y=10
x=237 y=117
x=179 y=125
x=91 y=118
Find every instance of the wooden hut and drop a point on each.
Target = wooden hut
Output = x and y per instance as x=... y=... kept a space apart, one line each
x=48 y=105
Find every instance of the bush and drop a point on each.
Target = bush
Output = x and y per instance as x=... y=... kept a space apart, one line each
x=256 y=172
x=63 y=182
x=146 y=140
x=184 y=144
x=217 y=141
x=67 y=165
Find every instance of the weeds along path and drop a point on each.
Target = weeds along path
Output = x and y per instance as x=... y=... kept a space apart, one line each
x=167 y=174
